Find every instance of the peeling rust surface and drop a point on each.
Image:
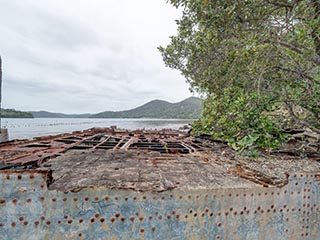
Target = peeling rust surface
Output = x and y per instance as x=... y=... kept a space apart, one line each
x=144 y=161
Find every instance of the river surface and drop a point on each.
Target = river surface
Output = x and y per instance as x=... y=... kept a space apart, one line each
x=28 y=128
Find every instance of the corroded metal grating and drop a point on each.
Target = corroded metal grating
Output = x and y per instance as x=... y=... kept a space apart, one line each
x=22 y=153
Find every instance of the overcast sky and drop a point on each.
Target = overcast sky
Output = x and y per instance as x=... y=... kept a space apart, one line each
x=78 y=56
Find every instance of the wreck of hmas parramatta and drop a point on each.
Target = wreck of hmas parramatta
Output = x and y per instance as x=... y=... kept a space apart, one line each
x=118 y=184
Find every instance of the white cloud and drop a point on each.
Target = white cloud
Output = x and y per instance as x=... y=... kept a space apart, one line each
x=86 y=56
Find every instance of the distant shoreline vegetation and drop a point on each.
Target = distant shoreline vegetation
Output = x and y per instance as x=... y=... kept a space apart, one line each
x=12 y=113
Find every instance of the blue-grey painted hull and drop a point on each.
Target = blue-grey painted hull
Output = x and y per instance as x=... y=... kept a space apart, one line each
x=28 y=210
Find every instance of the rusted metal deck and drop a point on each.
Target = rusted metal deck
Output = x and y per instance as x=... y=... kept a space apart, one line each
x=117 y=184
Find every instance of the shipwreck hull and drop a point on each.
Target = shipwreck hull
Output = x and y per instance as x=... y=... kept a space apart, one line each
x=33 y=207
x=29 y=210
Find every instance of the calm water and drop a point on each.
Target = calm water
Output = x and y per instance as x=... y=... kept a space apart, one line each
x=34 y=127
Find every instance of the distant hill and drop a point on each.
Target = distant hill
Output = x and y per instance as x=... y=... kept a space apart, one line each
x=45 y=114
x=188 y=108
x=12 y=113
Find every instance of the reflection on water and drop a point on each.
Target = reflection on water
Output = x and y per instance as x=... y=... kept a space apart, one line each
x=34 y=127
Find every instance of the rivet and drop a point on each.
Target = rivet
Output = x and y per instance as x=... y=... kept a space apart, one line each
x=106 y=198
x=2 y=201
x=102 y=220
x=36 y=223
x=126 y=199
x=65 y=216
x=117 y=214
x=150 y=218
x=80 y=234
x=65 y=199
x=92 y=220
x=231 y=209
x=86 y=199
x=75 y=199
x=140 y=219
x=29 y=200
x=48 y=222
x=21 y=219
x=195 y=215
x=13 y=224
x=7 y=177
x=25 y=223
x=42 y=218
x=96 y=199
x=160 y=217
x=59 y=221
x=97 y=215
x=211 y=214
x=54 y=199
x=122 y=219
x=177 y=216
x=219 y=224
x=80 y=220
x=142 y=230
x=153 y=229
x=1 y=224
x=132 y=219
x=70 y=221
x=19 y=177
